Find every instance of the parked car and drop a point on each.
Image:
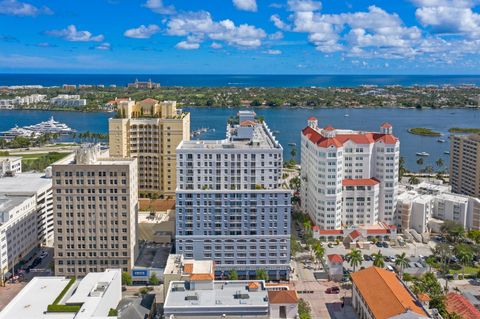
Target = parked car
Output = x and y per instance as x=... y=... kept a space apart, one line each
x=379 y=244
x=367 y=257
x=333 y=290
x=390 y=268
x=385 y=244
x=43 y=254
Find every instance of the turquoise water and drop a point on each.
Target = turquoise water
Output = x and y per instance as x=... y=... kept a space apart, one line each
x=290 y=122
x=238 y=80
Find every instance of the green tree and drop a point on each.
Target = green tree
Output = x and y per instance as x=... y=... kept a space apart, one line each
x=453 y=231
x=153 y=280
x=355 y=258
x=304 y=310
x=430 y=261
x=232 y=275
x=474 y=235
x=401 y=167
x=439 y=162
x=465 y=257
x=401 y=261
x=378 y=260
x=261 y=274
x=126 y=279
x=319 y=251
x=293 y=152
x=413 y=180
x=295 y=183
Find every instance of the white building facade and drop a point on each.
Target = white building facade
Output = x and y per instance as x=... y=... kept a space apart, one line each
x=349 y=177
x=10 y=165
x=65 y=100
x=230 y=204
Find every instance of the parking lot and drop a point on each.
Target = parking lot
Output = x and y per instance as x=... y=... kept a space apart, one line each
x=40 y=264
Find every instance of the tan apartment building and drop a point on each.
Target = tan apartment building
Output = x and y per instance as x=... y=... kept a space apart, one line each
x=95 y=209
x=465 y=165
x=150 y=131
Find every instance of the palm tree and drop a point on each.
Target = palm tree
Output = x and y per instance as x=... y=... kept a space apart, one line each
x=465 y=258
x=319 y=251
x=378 y=260
x=439 y=162
x=355 y=258
x=401 y=261
x=232 y=275
x=430 y=261
x=413 y=180
x=261 y=274
x=420 y=161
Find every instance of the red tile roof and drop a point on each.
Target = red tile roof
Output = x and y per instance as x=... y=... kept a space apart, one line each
x=334 y=258
x=247 y=123
x=149 y=100
x=360 y=182
x=338 y=141
x=386 y=125
x=329 y=128
x=331 y=231
x=253 y=285
x=460 y=305
x=384 y=294
x=201 y=277
x=354 y=234
x=282 y=297
x=312 y=118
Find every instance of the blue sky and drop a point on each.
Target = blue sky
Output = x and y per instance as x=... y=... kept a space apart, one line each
x=240 y=36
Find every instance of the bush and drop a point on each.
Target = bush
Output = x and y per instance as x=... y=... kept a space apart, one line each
x=153 y=280
x=126 y=278
x=112 y=312
x=63 y=308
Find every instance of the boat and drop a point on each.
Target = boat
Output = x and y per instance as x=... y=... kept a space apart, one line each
x=423 y=154
x=446 y=152
x=347 y=115
x=50 y=126
x=292 y=144
x=20 y=131
x=441 y=140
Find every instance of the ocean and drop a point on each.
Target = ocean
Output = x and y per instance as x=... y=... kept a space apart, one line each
x=238 y=80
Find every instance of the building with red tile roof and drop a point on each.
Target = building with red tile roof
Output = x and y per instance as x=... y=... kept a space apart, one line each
x=379 y=294
x=358 y=169
x=460 y=305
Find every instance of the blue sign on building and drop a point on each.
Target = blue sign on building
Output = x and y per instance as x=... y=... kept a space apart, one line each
x=139 y=272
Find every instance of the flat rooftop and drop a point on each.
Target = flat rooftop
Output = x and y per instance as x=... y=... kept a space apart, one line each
x=25 y=183
x=7 y=202
x=224 y=293
x=153 y=256
x=261 y=138
x=33 y=299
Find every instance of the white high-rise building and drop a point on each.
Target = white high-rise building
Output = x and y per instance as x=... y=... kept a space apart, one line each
x=349 y=177
x=230 y=203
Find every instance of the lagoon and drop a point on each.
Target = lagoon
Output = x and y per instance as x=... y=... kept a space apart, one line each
x=290 y=122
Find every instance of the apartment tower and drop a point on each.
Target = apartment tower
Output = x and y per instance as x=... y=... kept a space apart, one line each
x=95 y=206
x=349 y=177
x=230 y=203
x=465 y=164
x=150 y=131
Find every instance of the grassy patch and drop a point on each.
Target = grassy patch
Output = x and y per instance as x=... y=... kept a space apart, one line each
x=38 y=162
x=468 y=271
x=423 y=131
x=464 y=130
x=55 y=307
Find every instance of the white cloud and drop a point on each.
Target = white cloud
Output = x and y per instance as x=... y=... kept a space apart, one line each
x=72 y=34
x=185 y=45
x=142 y=32
x=276 y=36
x=158 y=6
x=304 y=5
x=278 y=22
x=449 y=17
x=201 y=25
x=105 y=46
x=245 y=5
x=273 y=52
x=216 y=45
x=17 y=8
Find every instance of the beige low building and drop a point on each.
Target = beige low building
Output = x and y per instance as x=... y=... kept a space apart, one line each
x=150 y=131
x=95 y=209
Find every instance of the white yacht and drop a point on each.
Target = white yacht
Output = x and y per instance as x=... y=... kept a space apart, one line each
x=20 y=131
x=423 y=154
x=50 y=126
